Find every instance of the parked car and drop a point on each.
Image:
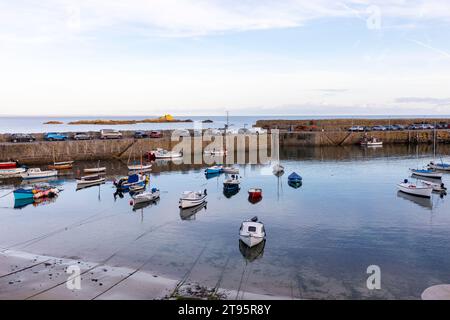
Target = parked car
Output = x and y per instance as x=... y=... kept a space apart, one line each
x=379 y=128
x=22 y=137
x=399 y=127
x=156 y=134
x=367 y=128
x=414 y=126
x=81 y=136
x=257 y=130
x=442 y=125
x=110 y=134
x=427 y=126
x=391 y=128
x=140 y=134
x=181 y=133
x=356 y=129
x=54 y=136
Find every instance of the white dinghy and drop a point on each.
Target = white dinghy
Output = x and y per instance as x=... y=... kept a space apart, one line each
x=192 y=198
x=36 y=173
x=414 y=189
x=252 y=232
x=146 y=196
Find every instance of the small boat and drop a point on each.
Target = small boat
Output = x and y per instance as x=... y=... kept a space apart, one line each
x=139 y=167
x=160 y=153
x=192 y=198
x=64 y=165
x=90 y=180
x=215 y=152
x=373 y=142
x=294 y=178
x=8 y=165
x=22 y=193
x=214 y=170
x=49 y=193
x=36 y=192
x=439 y=166
x=414 y=189
x=277 y=169
x=231 y=170
x=429 y=173
x=125 y=183
x=231 y=183
x=146 y=196
x=95 y=170
x=137 y=188
x=11 y=173
x=36 y=173
x=255 y=192
x=252 y=232
x=438 y=187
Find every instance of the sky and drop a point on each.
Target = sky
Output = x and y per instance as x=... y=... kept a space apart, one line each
x=199 y=57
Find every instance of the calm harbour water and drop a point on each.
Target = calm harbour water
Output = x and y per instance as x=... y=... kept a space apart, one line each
x=321 y=237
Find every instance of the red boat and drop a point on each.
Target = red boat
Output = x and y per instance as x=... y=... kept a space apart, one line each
x=8 y=165
x=255 y=192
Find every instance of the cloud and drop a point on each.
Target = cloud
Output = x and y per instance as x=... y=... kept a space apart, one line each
x=55 y=18
x=424 y=100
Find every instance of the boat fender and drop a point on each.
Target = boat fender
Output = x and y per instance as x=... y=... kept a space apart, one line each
x=131 y=202
x=405 y=181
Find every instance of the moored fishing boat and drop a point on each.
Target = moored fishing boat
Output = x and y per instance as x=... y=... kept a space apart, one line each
x=429 y=173
x=11 y=173
x=214 y=170
x=146 y=196
x=372 y=142
x=255 y=192
x=95 y=170
x=64 y=165
x=137 y=188
x=91 y=180
x=231 y=170
x=125 y=183
x=414 y=189
x=231 y=183
x=160 y=153
x=140 y=167
x=8 y=165
x=192 y=198
x=36 y=173
x=277 y=169
x=24 y=193
x=252 y=232
x=438 y=187
x=439 y=166
x=294 y=177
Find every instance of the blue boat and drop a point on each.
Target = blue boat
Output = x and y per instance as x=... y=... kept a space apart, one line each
x=294 y=177
x=124 y=184
x=214 y=170
x=20 y=194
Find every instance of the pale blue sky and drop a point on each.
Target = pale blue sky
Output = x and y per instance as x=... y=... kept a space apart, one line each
x=301 y=57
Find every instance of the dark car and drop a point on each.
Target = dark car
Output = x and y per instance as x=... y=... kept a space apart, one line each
x=22 y=137
x=140 y=134
x=442 y=125
x=82 y=136
x=379 y=128
x=156 y=134
x=399 y=127
x=391 y=128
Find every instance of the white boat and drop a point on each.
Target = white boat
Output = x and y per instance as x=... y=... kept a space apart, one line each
x=252 y=232
x=414 y=189
x=36 y=173
x=373 y=142
x=439 y=187
x=439 y=166
x=146 y=196
x=231 y=183
x=140 y=167
x=276 y=169
x=231 y=170
x=90 y=180
x=165 y=154
x=215 y=152
x=11 y=173
x=429 y=173
x=192 y=198
x=95 y=170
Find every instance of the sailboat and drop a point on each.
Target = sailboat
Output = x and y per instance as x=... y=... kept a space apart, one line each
x=98 y=169
x=140 y=166
x=433 y=164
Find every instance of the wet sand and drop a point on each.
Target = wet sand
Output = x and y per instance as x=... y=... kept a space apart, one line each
x=25 y=276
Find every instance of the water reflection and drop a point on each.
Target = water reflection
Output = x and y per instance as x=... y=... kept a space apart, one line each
x=229 y=192
x=423 y=202
x=190 y=213
x=253 y=253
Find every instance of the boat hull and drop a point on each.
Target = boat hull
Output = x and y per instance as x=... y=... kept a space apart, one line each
x=23 y=194
x=188 y=203
x=40 y=175
x=8 y=165
x=11 y=173
x=86 y=183
x=435 y=175
x=95 y=170
x=251 y=241
x=424 y=192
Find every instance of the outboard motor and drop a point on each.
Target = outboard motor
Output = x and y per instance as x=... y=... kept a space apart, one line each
x=254 y=219
x=443 y=186
x=405 y=181
x=205 y=192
